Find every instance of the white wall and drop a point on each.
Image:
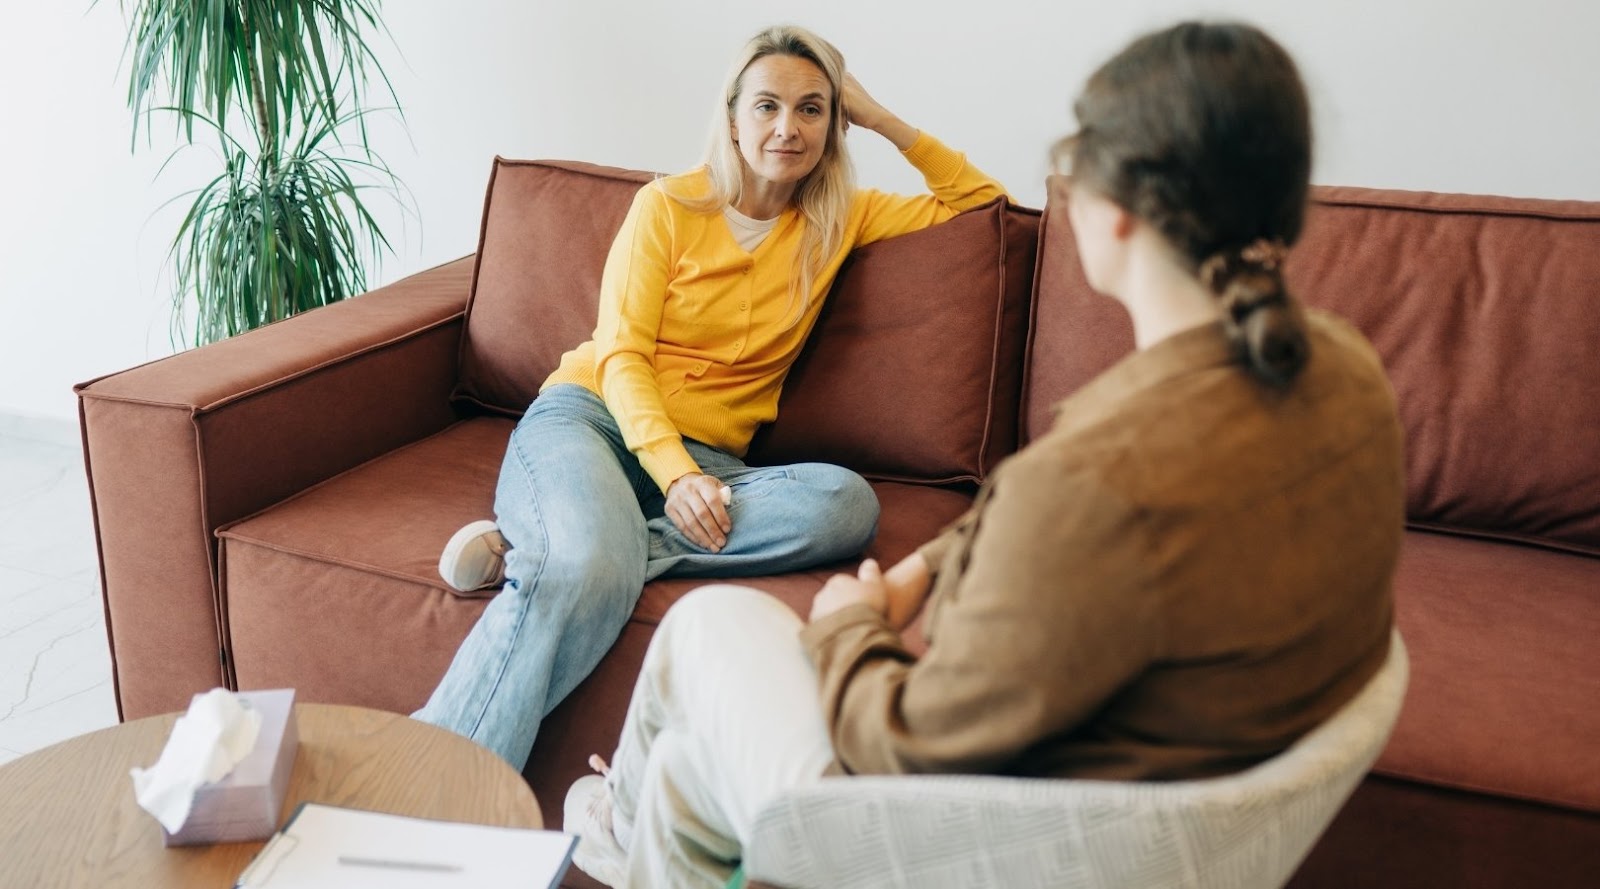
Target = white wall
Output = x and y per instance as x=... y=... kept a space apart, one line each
x=1479 y=96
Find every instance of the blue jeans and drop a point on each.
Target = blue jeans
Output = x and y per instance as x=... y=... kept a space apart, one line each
x=587 y=529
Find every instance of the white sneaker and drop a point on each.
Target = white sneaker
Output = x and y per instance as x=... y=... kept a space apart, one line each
x=475 y=557
x=587 y=813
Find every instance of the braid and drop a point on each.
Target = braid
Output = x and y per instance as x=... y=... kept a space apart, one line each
x=1203 y=131
x=1263 y=323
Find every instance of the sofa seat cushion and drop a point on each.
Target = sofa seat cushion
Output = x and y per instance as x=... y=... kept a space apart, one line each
x=1402 y=835
x=1505 y=670
x=336 y=590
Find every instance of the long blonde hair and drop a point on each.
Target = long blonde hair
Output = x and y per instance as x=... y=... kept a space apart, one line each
x=823 y=196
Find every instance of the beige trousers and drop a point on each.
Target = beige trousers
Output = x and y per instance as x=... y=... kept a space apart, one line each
x=725 y=715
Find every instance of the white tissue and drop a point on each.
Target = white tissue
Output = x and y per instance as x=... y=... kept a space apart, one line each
x=206 y=743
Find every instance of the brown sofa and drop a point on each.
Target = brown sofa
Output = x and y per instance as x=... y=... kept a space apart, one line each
x=269 y=509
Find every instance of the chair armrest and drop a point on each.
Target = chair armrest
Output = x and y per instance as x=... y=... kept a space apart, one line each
x=965 y=832
x=176 y=448
x=1249 y=828
x=927 y=831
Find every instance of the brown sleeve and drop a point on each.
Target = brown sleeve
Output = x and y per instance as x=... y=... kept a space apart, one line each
x=1050 y=618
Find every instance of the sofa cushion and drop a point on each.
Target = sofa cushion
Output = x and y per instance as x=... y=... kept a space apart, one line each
x=1402 y=835
x=914 y=370
x=1485 y=311
x=1505 y=672
x=1074 y=332
x=547 y=226
x=336 y=591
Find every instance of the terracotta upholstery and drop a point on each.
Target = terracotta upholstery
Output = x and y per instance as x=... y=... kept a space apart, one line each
x=547 y=227
x=1490 y=626
x=1418 y=836
x=1473 y=303
x=269 y=509
x=178 y=447
x=937 y=317
x=361 y=549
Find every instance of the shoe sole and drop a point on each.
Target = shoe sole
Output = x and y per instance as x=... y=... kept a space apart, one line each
x=458 y=543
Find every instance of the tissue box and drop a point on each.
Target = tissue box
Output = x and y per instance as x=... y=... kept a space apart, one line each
x=244 y=804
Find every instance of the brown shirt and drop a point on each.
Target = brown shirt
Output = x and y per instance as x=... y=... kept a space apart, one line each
x=1186 y=574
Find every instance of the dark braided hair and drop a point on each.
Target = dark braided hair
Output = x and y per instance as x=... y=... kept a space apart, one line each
x=1204 y=132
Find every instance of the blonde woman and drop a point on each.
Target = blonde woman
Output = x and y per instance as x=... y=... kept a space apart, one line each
x=628 y=465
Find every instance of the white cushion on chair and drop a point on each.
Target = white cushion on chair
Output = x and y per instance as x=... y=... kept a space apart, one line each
x=1241 y=831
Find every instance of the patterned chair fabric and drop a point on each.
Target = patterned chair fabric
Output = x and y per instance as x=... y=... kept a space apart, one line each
x=1241 y=831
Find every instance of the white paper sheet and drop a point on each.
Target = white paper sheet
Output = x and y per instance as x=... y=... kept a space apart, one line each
x=327 y=847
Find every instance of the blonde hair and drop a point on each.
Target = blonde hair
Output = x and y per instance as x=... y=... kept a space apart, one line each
x=823 y=196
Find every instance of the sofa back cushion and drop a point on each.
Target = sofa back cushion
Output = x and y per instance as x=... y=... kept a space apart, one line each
x=547 y=226
x=913 y=372
x=1485 y=311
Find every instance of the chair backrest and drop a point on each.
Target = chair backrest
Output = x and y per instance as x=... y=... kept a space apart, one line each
x=1241 y=831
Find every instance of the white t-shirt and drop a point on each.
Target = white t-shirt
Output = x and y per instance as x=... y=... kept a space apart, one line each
x=748 y=232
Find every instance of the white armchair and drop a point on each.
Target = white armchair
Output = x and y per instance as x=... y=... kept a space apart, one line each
x=1242 y=831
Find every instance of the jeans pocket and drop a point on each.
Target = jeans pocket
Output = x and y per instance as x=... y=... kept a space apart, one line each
x=760 y=483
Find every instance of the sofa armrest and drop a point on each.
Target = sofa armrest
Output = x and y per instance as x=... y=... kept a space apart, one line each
x=176 y=448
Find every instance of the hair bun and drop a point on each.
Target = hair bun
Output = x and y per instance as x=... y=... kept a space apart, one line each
x=1265 y=329
x=1246 y=293
x=1262 y=324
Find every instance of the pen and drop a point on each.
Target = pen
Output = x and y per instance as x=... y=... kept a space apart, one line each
x=398 y=865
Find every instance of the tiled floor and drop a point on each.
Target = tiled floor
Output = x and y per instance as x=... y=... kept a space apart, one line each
x=55 y=667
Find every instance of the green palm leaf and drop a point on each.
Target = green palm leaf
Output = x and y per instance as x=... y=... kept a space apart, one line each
x=285 y=226
x=261 y=243
x=265 y=58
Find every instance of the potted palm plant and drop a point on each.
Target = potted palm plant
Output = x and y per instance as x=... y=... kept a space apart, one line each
x=280 y=84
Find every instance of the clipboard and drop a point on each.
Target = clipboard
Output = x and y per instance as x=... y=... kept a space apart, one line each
x=332 y=847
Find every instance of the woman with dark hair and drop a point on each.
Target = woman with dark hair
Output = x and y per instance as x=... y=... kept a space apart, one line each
x=1191 y=570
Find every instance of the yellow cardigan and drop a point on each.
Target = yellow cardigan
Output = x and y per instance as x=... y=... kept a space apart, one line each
x=694 y=335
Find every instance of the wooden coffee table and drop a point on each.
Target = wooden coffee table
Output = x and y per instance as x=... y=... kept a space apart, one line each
x=68 y=817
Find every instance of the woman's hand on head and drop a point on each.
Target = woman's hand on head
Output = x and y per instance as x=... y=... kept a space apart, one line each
x=860 y=109
x=698 y=507
x=841 y=591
